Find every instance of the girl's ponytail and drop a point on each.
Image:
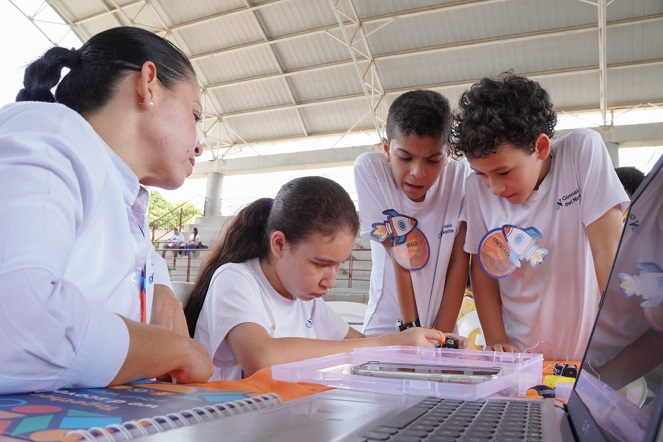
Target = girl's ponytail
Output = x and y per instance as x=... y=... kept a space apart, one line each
x=245 y=238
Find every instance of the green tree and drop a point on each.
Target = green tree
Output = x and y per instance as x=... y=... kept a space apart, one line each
x=163 y=215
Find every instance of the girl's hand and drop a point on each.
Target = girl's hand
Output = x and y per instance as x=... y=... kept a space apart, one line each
x=421 y=337
x=464 y=342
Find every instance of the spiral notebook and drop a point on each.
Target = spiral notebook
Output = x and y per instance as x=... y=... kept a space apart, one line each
x=121 y=413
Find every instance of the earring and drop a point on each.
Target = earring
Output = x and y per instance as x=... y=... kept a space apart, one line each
x=150 y=104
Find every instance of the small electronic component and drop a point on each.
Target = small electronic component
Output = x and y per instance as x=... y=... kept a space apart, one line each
x=568 y=370
x=451 y=343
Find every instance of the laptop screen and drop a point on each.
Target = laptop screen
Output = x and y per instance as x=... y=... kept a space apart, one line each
x=620 y=380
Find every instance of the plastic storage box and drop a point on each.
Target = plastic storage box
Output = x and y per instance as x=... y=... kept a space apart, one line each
x=520 y=371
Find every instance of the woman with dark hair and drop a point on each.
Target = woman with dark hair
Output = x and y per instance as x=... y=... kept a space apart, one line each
x=86 y=301
x=194 y=241
x=258 y=299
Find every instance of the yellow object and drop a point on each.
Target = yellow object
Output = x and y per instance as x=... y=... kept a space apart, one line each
x=468 y=322
x=552 y=380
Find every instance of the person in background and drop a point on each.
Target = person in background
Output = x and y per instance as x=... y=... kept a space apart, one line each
x=194 y=241
x=543 y=218
x=630 y=177
x=176 y=242
x=258 y=298
x=410 y=202
x=86 y=300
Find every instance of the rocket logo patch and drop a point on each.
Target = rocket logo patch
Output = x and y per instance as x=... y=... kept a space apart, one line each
x=648 y=285
x=501 y=250
x=409 y=245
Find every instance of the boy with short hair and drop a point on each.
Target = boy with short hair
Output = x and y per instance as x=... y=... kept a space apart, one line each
x=410 y=202
x=544 y=218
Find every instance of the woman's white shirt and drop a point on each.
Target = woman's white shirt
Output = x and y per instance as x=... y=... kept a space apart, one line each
x=76 y=243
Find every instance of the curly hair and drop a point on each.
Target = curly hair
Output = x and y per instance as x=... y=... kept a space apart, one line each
x=423 y=113
x=494 y=111
x=630 y=177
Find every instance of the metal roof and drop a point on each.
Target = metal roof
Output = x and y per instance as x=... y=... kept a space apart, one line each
x=287 y=69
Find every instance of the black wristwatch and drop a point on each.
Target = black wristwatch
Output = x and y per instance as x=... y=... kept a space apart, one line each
x=403 y=327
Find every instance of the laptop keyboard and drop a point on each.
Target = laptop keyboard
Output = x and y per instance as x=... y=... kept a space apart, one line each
x=445 y=420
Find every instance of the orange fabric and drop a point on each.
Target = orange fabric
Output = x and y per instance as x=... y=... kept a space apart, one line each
x=262 y=382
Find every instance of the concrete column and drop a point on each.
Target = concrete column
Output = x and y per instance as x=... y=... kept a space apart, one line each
x=613 y=151
x=213 y=194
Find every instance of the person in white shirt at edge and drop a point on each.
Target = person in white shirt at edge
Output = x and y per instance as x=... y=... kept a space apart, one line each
x=410 y=204
x=86 y=300
x=176 y=242
x=258 y=299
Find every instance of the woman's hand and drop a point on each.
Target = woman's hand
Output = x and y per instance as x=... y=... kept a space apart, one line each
x=197 y=366
x=155 y=351
x=167 y=311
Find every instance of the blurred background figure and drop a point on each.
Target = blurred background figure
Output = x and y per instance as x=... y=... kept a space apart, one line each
x=631 y=177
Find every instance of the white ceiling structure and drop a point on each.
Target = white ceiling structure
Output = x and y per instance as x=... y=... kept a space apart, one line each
x=291 y=69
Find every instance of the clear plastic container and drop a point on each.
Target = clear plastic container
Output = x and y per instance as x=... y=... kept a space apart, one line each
x=520 y=371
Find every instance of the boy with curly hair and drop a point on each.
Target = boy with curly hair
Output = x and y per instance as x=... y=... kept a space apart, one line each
x=544 y=218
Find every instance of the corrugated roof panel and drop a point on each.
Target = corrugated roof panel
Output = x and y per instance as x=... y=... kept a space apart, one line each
x=234 y=66
x=337 y=117
x=634 y=85
x=223 y=32
x=373 y=8
x=629 y=43
x=275 y=125
x=622 y=10
x=312 y=50
x=179 y=11
x=471 y=24
x=580 y=91
x=329 y=83
x=475 y=62
x=295 y=16
x=252 y=96
x=77 y=11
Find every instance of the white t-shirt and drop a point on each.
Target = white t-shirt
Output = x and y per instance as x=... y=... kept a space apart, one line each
x=436 y=218
x=550 y=302
x=74 y=259
x=241 y=293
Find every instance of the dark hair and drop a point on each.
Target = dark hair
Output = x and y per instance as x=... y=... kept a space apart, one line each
x=423 y=113
x=99 y=65
x=631 y=177
x=506 y=109
x=195 y=231
x=302 y=208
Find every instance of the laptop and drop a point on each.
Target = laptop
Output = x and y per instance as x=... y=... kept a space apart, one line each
x=618 y=394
